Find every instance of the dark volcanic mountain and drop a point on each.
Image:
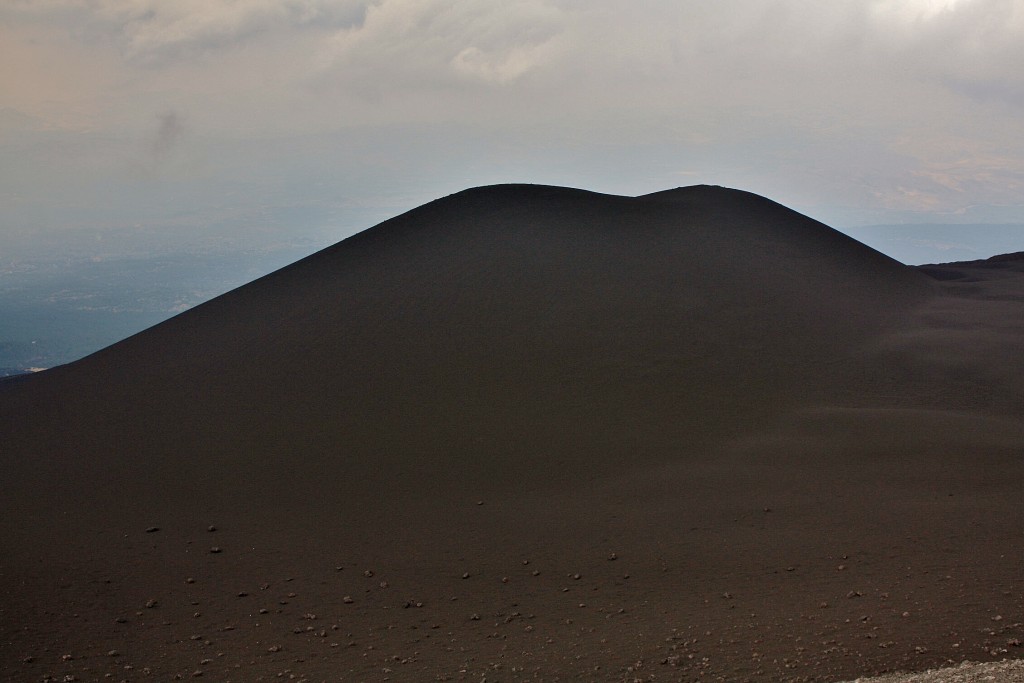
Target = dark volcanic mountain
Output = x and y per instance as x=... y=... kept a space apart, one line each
x=513 y=385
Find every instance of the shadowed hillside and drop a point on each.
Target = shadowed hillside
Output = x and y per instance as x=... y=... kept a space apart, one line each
x=435 y=435
x=549 y=317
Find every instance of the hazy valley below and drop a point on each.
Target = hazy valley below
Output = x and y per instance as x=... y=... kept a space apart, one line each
x=56 y=309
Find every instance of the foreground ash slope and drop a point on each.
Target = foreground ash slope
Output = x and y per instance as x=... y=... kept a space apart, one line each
x=784 y=439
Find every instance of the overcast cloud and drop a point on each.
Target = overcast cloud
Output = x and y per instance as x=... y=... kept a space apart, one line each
x=854 y=111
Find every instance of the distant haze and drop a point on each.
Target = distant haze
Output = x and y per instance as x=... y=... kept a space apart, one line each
x=196 y=120
x=931 y=243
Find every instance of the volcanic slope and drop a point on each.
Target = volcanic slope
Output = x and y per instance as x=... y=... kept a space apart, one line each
x=526 y=432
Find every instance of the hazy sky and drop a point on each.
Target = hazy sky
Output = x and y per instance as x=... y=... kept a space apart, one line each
x=186 y=117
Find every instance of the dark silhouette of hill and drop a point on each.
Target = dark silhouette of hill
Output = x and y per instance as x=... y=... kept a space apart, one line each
x=720 y=395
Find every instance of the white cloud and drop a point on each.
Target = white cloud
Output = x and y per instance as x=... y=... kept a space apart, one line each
x=430 y=42
x=152 y=32
x=155 y=30
x=896 y=104
x=731 y=51
x=913 y=11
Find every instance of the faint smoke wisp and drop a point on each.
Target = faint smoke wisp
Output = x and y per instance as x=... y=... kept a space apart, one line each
x=169 y=130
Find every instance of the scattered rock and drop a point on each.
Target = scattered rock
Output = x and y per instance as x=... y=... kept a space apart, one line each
x=152 y=529
x=215 y=549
